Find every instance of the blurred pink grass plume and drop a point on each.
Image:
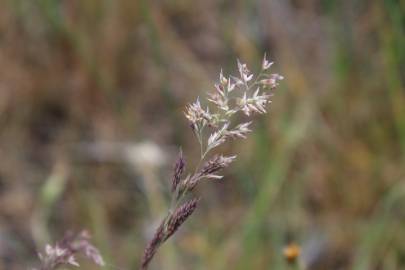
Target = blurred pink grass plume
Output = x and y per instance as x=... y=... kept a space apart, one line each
x=65 y=251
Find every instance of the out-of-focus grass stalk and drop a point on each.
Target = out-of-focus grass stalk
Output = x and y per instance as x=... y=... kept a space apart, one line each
x=380 y=230
x=392 y=35
x=99 y=223
x=50 y=192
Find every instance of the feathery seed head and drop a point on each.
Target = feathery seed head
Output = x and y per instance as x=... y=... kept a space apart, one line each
x=232 y=94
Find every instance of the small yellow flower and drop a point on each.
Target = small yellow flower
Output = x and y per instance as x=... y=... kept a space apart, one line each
x=291 y=252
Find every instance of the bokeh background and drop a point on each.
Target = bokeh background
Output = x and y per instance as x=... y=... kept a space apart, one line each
x=92 y=94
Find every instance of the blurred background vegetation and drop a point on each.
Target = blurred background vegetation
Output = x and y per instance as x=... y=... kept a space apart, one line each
x=92 y=94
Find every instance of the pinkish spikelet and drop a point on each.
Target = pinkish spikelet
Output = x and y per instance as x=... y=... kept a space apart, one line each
x=178 y=171
x=150 y=250
x=179 y=216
